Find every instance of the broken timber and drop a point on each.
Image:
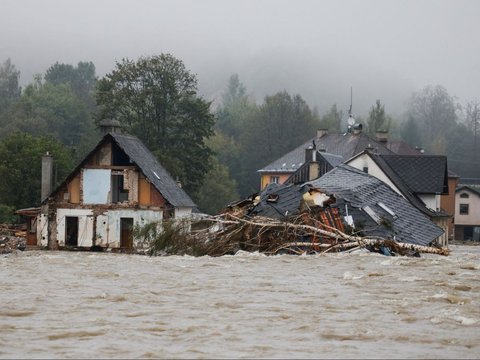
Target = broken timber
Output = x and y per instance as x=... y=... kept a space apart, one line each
x=272 y=236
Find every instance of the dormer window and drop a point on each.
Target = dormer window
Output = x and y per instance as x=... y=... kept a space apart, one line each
x=464 y=196
x=274 y=179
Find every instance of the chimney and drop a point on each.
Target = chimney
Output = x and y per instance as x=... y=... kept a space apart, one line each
x=110 y=126
x=381 y=136
x=310 y=154
x=321 y=132
x=47 y=175
x=357 y=129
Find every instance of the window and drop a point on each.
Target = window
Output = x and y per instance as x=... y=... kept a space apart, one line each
x=365 y=169
x=463 y=209
x=464 y=195
x=119 y=194
x=274 y=179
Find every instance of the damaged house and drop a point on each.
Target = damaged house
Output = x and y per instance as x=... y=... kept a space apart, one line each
x=347 y=198
x=421 y=179
x=118 y=185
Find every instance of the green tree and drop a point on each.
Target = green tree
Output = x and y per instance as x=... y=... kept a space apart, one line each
x=51 y=110
x=282 y=123
x=332 y=119
x=377 y=119
x=217 y=190
x=21 y=168
x=473 y=123
x=156 y=99
x=9 y=89
x=435 y=112
x=410 y=133
x=235 y=110
x=81 y=78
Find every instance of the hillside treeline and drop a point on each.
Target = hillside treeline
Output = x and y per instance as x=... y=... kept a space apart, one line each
x=214 y=148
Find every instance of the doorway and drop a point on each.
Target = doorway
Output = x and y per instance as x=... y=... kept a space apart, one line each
x=71 y=231
x=126 y=233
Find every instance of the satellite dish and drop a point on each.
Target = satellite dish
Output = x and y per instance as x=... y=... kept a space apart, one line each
x=351 y=121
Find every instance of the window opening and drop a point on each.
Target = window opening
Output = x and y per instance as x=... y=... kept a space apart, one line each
x=463 y=209
x=119 y=194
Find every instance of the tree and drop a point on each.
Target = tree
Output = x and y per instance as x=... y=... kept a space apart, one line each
x=377 y=119
x=473 y=122
x=81 y=78
x=218 y=189
x=410 y=133
x=9 y=89
x=21 y=168
x=435 y=111
x=52 y=110
x=282 y=123
x=156 y=99
x=332 y=120
x=235 y=110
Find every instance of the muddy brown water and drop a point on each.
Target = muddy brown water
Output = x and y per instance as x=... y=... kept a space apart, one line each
x=362 y=305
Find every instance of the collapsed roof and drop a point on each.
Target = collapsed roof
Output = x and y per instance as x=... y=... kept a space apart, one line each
x=365 y=203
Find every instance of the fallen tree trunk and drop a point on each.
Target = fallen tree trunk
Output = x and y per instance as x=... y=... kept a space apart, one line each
x=349 y=241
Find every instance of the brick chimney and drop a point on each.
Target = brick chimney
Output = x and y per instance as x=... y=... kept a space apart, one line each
x=381 y=136
x=110 y=126
x=321 y=132
x=357 y=129
x=47 y=175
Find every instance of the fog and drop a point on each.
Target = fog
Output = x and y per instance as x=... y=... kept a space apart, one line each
x=383 y=49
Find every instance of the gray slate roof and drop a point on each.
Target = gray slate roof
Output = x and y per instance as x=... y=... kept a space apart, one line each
x=288 y=203
x=332 y=159
x=346 y=145
x=147 y=163
x=359 y=189
x=423 y=174
x=153 y=170
x=472 y=189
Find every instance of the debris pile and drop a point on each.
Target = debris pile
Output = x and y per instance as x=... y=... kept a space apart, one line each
x=9 y=244
x=299 y=219
x=303 y=234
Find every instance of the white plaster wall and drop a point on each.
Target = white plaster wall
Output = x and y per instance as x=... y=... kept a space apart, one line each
x=108 y=224
x=431 y=201
x=373 y=169
x=182 y=212
x=85 y=225
x=42 y=230
x=473 y=217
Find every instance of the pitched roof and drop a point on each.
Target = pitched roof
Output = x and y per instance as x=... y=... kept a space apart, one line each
x=147 y=163
x=288 y=199
x=153 y=170
x=401 y=147
x=472 y=189
x=423 y=174
x=345 y=145
x=359 y=189
x=332 y=159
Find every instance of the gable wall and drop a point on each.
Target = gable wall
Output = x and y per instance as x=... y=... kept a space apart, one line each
x=473 y=217
x=373 y=169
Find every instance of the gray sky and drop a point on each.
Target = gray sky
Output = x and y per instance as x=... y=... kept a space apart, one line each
x=384 y=49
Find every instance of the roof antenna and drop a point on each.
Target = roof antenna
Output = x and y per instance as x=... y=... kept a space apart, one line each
x=351 y=120
x=351 y=101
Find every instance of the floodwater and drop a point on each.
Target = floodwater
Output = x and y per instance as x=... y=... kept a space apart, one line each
x=363 y=305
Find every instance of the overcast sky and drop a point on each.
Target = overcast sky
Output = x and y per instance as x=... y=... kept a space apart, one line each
x=384 y=49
